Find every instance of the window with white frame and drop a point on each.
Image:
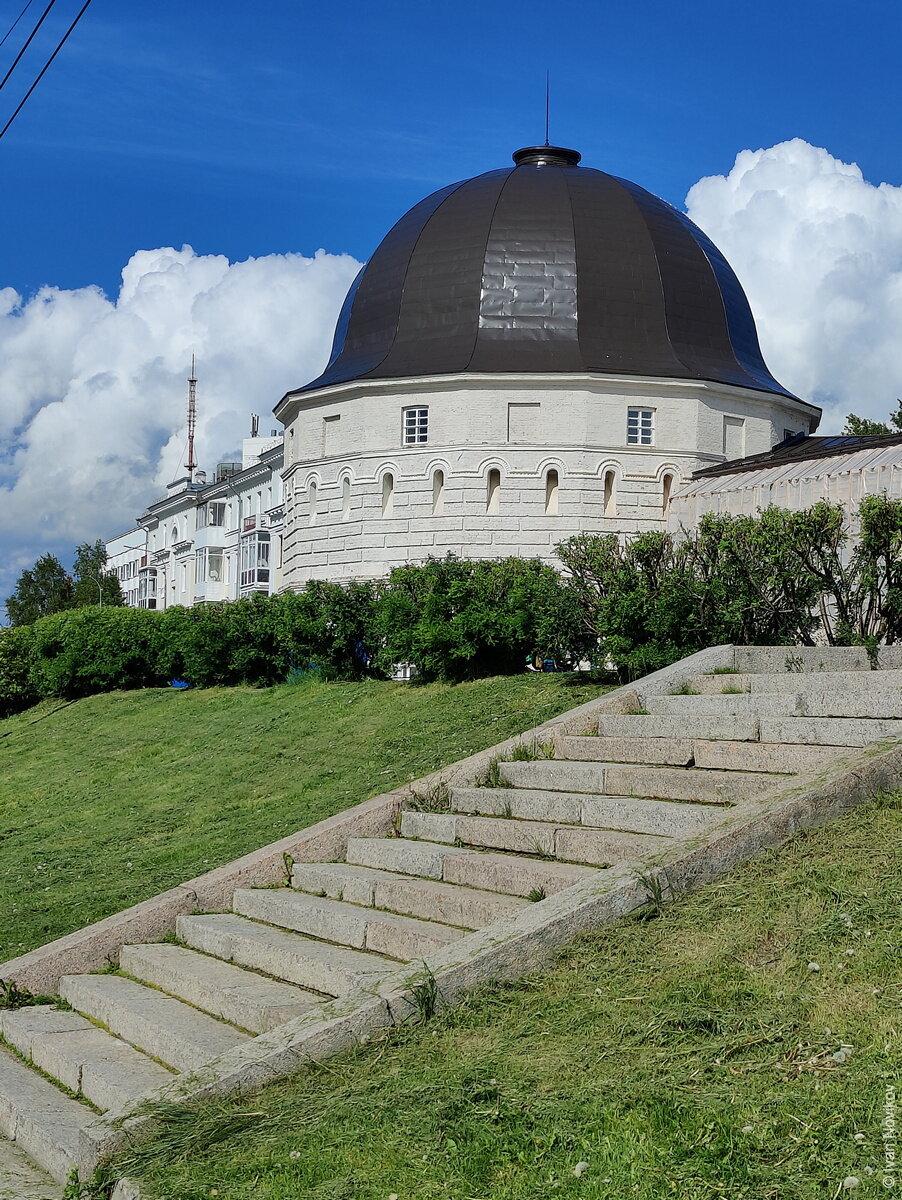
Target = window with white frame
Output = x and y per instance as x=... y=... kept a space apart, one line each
x=415 y=426
x=217 y=512
x=640 y=426
x=255 y=560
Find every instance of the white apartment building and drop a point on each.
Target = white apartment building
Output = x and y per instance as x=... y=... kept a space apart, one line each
x=208 y=541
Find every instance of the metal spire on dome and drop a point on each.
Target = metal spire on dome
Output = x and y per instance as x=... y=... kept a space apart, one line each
x=547 y=155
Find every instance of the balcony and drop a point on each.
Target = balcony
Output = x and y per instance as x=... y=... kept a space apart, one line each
x=248 y=524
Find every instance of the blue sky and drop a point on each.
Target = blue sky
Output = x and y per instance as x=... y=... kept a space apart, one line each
x=250 y=129
x=257 y=135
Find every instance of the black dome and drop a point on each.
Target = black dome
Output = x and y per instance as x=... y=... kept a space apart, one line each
x=541 y=267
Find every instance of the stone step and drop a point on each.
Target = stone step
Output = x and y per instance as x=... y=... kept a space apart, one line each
x=85 y=1059
x=453 y=864
x=763 y=756
x=809 y=659
x=332 y=970
x=468 y=907
x=875 y=704
x=161 y=1026
x=827 y=731
x=726 y=728
x=788 y=681
x=571 y=843
x=233 y=994
x=617 y=779
x=22 y=1179
x=39 y=1119
x=758 y=704
x=399 y=937
x=658 y=751
x=630 y=814
x=728 y=684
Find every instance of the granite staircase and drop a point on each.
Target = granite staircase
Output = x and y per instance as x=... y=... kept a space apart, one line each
x=635 y=787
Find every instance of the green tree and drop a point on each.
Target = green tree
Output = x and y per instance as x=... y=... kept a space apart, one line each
x=93 y=584
x=43 y=590
x=863 y=427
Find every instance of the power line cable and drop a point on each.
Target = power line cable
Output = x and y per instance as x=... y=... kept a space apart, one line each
x=16 y=22
x=31 y=37
x=46 y=66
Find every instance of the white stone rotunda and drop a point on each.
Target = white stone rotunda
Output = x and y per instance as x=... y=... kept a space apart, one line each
x=540 y=351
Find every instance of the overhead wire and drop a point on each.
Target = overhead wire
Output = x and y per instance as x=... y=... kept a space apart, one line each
x=46 y=66
x=28 y=42
x=16 y=22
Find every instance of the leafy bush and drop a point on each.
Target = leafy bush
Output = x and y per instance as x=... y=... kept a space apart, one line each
x=87 y=650
x=772 y=579
x=17 y=690
x=454 y=619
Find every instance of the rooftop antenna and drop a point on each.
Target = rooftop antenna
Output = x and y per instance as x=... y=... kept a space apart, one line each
x=192 y=421
x=547 y=105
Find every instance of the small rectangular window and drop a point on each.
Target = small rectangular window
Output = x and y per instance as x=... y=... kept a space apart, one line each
x=255 y=560
x=415 y=426
x=217 y=512
x=640 y=427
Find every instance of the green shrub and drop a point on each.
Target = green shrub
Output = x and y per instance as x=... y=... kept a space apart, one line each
x=88 y=650
x=456 y=619
x=17 y=690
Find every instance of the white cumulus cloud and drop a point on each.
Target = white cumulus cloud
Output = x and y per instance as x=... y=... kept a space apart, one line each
x=818 y=250
x=92 y=390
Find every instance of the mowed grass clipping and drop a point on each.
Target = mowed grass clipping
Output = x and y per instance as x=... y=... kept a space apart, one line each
x=738 y=1045
x=109 y=800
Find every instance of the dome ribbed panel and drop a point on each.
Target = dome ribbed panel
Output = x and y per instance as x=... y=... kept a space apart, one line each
x=622 y=327
x=693 y=307
x=376 y=304
x=527 y=305
x=741 y=322
x=439 y=315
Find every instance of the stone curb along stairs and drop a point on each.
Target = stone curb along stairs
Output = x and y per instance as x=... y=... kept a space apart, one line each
x=479 y=872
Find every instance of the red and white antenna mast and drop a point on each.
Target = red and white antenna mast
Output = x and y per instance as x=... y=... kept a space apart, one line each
x=192 y=421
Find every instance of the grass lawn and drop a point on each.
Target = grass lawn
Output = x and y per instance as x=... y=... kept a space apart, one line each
x=693 y=1055
x=112 y=799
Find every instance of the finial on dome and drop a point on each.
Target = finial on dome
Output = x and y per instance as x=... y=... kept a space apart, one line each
x=546 y=156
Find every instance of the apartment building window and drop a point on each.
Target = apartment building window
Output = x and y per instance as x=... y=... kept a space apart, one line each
x=208 y=566
x=255 y=560
x=147 y=588
x=640 y=426
x=415 y=426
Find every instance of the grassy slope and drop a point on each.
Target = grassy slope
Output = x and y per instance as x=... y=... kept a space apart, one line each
x=114 y=798
x=685 y=1056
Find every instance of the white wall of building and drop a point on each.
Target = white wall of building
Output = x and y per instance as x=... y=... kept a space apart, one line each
x=360 y=500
